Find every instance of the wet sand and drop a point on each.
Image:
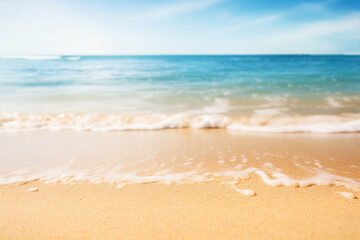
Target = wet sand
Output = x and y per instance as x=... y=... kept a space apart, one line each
x=213 y=150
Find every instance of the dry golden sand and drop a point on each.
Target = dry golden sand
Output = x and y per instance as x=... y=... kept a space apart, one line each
x=187 y=211
x=181 y=211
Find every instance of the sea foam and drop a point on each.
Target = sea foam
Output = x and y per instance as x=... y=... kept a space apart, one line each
x=275 y=179
x=16 y=122
x=32 y=57
x=73 y=58
x=322 y=127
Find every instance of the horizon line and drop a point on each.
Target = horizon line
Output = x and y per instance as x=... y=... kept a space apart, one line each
x=171 y=54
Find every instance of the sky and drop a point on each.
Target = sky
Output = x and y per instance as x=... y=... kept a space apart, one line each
x=142 y=27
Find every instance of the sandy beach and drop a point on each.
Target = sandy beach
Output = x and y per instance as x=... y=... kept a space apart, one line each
x=86 y=206
x=188 y=211
x=179 y=120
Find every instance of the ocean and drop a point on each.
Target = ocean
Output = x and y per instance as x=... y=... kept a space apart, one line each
x=251 y=93
x=63 y=118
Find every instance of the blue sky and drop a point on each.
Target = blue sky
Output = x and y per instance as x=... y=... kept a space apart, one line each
x=29 y=27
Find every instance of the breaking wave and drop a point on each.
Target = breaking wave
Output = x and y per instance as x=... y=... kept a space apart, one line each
x=16 y=122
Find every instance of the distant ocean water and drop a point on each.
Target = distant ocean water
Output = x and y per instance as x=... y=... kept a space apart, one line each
x=259 y=93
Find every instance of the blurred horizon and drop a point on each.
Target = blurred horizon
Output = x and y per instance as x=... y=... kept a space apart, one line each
x=7 y=56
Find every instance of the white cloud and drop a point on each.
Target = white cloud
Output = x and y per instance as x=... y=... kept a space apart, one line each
x=47 y=27
x=252 y=22
x=316 y=6
x=171 y=10
x=58 y=27
x=247 y=23
x=315 y=30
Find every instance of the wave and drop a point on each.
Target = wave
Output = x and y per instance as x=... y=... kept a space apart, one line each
x=73 y=58
x=16 y=122
x=32 y=57
x=322 y=127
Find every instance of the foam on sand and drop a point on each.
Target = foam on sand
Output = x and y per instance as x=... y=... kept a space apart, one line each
x=348 y=195
x=216 y=211
x=32 y=190
x=167 y=176
x=323 y=127
x=177 y=157
x=246 y=192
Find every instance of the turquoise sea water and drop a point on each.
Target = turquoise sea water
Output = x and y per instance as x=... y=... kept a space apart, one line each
x=272 y=94
x=272 y=86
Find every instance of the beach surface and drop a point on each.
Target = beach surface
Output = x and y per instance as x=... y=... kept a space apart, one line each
x=187 y=211
x=221 y=185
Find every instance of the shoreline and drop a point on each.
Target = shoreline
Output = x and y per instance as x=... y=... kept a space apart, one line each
x=96 y=203
x=180 y=156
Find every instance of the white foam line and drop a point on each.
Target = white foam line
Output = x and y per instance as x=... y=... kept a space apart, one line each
x=166 y=176
x=351 y=126
x=15 y=122
x=73 y=58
